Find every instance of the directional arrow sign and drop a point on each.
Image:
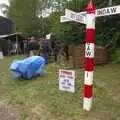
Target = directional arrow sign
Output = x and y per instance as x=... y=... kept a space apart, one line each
x=81 y=16
x=103 y=11
x=78 y=17
x=64 y=19
x=108 y=11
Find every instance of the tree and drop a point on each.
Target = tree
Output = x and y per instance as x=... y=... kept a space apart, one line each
x=24 y=14
x=28 y=15
x=70 y=32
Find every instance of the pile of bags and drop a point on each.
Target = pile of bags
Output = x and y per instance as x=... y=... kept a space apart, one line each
x=29 y=67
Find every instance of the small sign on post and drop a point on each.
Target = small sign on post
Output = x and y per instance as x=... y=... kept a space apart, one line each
x=67 y=80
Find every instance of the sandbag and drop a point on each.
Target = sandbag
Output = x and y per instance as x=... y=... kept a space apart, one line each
x=28 y=67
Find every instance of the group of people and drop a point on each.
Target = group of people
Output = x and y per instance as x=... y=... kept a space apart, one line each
x=51 y=50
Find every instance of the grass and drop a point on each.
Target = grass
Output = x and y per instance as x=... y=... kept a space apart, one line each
x=40 y=99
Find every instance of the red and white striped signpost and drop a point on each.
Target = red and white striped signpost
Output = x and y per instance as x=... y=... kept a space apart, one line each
x=88 y=18
x=89 y=56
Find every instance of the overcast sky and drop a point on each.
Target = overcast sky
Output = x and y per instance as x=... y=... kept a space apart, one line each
x=5 y=2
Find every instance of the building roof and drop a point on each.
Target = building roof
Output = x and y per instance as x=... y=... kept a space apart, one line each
x=5 y=26
x=13 y=36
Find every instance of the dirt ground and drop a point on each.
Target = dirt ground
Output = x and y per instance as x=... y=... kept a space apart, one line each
x=8 y=113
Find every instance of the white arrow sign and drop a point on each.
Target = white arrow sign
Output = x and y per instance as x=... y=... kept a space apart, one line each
x=64 y=19
x=81 y=16
x=78 y=17
x=108 y=11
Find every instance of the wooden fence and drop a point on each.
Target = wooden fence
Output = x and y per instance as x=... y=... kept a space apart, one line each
x=77 y=55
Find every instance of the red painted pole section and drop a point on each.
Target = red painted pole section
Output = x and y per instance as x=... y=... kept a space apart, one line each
x=89 y=56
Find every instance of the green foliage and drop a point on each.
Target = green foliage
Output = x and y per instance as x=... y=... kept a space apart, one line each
x=115 y=55
x=24 y=15
x=70 y=32
x=57 y=5
x=45 y=26
x=77 y=5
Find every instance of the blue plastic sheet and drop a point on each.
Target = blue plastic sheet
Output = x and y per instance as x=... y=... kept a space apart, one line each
x=29 y=67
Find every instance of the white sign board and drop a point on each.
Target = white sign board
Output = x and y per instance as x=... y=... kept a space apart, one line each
x=64 y=19
x=67 y=80
x=108 y=11
x=78 y=17
x=81 y=16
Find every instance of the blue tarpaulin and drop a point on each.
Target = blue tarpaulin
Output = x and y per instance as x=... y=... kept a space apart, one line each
x=29 y=67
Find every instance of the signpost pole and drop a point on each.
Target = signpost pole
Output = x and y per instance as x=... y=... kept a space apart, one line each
x=88 y=18
x=89 y=56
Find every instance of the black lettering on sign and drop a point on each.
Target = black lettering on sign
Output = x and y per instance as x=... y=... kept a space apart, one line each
x=67 y=80
x=113 y=10
x=88 y=53
x=64 y=80
x=108 y=11
x=88 y=48
x=62 y=76
x=69 y=84
x=72 y=15
x=79 y=17
x=87 y=74
x=63 y=83
x=99 y=12
x=104 y=11
x=70 y=77
x=66 y=87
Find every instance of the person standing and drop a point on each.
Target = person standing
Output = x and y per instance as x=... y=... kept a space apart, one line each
x=33 y=46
